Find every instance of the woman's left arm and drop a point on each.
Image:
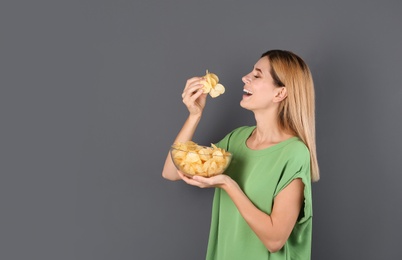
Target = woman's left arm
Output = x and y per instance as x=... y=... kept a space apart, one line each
x=273 y=230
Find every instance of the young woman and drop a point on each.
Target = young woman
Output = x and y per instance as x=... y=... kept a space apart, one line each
x=262 y=206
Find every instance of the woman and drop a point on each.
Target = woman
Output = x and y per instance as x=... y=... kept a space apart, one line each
x=262 y=206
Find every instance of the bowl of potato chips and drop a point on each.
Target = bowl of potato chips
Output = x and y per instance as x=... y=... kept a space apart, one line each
x=193 y=159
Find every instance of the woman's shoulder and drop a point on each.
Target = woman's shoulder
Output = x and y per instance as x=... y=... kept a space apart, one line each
x=243 y=130
x=296 y=148
x=236 y=136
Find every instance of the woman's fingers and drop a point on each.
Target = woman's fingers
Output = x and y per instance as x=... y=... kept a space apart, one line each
x=196 y=95
x=190 y=92
x=203 y=182
x=193 y=182
x=192 y=86
x=188 y=180
x=193 y=95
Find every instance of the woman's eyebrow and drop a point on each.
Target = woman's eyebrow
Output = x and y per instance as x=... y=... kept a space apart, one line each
x=259 y=70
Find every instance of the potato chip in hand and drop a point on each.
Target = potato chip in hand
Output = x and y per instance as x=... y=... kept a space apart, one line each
x=212 y=85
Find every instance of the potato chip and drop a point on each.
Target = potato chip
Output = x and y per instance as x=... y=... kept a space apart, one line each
x=205 y=154
x=211 y=85
x=207 y=87
x=220 y=88
x=193 y=159
x=212 y=169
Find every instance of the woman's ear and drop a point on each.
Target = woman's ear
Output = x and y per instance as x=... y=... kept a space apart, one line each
x=281 y=94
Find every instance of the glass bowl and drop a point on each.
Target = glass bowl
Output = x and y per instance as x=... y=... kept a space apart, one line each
x=200 y=160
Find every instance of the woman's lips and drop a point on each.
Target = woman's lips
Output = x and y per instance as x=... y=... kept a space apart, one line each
x=247 y=92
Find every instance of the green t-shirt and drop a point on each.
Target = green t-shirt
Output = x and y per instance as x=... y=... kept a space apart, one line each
x=261 y=174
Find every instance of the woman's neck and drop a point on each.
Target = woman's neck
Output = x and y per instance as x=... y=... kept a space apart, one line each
x=268 y=132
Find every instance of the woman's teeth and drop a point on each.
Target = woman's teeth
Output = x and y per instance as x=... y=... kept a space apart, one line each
x=247 y=92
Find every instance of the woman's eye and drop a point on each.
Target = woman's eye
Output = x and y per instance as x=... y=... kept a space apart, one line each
x=256 y=76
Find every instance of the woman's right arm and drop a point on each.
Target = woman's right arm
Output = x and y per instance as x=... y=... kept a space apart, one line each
x=194 y=99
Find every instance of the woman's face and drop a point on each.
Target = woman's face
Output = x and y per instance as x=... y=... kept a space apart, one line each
x=259 y=89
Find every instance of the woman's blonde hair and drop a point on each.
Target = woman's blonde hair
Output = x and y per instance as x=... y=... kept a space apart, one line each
x=297 y=110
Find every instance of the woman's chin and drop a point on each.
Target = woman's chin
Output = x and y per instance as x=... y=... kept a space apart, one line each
x=243 y=104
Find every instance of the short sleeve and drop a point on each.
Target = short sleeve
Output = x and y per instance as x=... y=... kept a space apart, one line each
x=299 y=167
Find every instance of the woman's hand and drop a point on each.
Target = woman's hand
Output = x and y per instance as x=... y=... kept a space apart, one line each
x=193 y=96
x=218 y=181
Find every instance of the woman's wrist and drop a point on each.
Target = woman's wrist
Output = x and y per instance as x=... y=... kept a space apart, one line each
x=194 y=117
x=228 y=183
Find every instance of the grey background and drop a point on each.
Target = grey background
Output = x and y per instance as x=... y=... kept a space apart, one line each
x=90 y=103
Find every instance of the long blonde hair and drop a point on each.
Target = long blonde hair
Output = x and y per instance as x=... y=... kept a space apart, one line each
x=297 y=110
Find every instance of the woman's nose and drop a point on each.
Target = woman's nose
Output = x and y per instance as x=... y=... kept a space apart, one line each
x=246 y=79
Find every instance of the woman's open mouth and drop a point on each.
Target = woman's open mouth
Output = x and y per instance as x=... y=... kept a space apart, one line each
x=247 y=92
